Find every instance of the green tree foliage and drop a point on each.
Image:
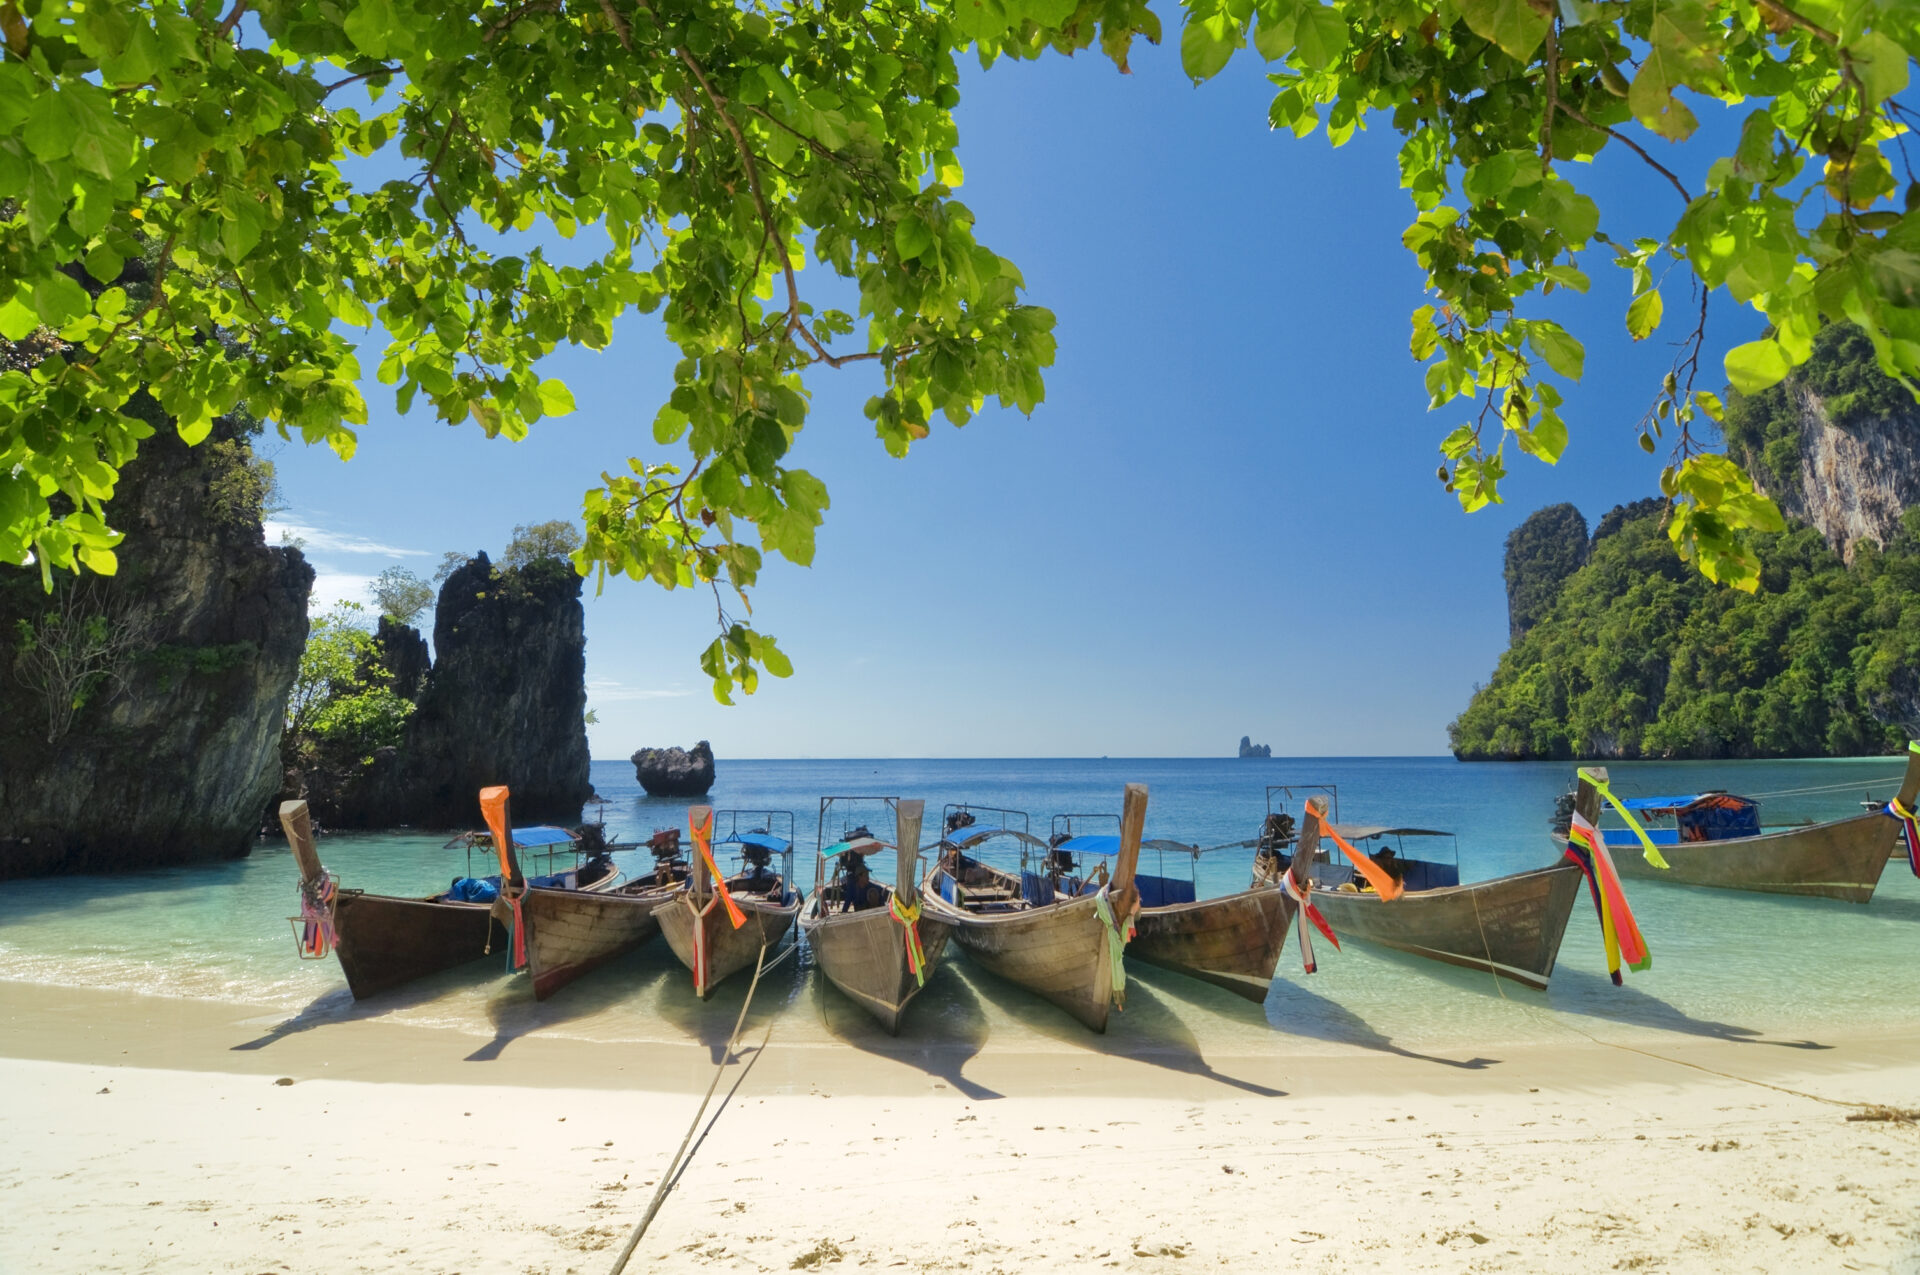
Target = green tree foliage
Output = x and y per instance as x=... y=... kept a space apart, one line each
x=1639 y=657
x=717 y=147
x=342 y=704
x=401 y=595
x=450 y=562
x=556 y=539
x=1541 y=553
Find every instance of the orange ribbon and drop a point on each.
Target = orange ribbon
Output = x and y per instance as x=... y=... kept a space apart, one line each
x=1383 y=885
x=703 y=842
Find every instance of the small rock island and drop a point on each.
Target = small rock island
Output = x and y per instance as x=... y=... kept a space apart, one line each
x=1250 y=749
x=675 y=772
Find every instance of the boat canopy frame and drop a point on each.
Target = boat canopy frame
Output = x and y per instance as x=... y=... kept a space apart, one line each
x=759 y=823
x=891 y=841
x=537 y=846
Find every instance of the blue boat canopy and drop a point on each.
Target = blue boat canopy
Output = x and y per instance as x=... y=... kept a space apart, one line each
x=1662 y=803
x=973 y=834
x=861 y=845
x=1099 y=843
x=767 y=841
x=543 y=835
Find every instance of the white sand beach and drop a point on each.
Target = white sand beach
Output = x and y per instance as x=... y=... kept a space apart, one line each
x=141 y=1139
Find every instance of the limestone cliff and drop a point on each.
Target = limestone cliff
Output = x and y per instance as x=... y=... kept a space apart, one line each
x=173 y=751
x=1541 y=553
x=1837 y=445
x=504 y=702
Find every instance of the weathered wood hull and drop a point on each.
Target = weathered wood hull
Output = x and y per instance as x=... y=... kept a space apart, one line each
x=570 y=932
x=727 y=950
x=1058 y=952
x=1510 y=926
x=1233 y=941
x=864 y=954
x=383 y=941
x=1838 y=860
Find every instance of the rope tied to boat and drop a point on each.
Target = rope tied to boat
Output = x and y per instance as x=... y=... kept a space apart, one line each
x=908 y=915
x=1909 y=832
x=1618 y=930
x=318 y=898
x=1648 y=850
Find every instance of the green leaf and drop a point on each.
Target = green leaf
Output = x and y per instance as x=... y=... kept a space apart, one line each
x=59 y=300
x=1881 y=65
x=911 y=237
x=1563 y=353
x=1208 y=42
x=1757 y=365
x=555 y=398
x=17 y=321
x=50 y=127
x=1516 y=26
x=1643 y=314
x=104 y=264
x=1320 y=34
x=370 y=26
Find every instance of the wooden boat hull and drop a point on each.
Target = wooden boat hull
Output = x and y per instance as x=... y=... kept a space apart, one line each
x=728 y=951
x=1510 y=926
x=383 y=941
x=570 y=932
x=1233 y=941
x=1058 y=952
x=864 y=954
x=1838 y=860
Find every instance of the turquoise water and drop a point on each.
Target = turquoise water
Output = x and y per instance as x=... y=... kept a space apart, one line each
x=1789 y=972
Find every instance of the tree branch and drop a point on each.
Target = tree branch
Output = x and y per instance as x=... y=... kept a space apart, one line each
x=1579 y=117
x=1553 y=95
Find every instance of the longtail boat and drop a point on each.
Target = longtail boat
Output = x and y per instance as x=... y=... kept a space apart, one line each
x=1510 y=926
x=1232 y=941
x=871 y=939
x=1058 y=935
x=384 y=941
x=1716 y=839
x=719 y=925
x=572 y=932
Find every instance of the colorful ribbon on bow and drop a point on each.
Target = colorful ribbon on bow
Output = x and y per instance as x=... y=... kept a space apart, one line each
x=703 y=842
x=1647 y=848
x=518 y=960
x=1301 y=892
x=317 y=897
x=1116 y=945
x=908 y=915
x=1909 y=833
x=1620 y=932
x=1383 y=884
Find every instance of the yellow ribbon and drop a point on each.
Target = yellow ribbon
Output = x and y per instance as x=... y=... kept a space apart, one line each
x=908 y=914
x=1647 y=849
x=1116 y=945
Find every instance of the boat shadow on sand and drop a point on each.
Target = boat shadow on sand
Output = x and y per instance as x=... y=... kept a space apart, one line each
x=1147 y=1032
x=336 y=1005
x=514 y=1012
x=1292 y=1009
x=942 y=1031
x=1589 y=995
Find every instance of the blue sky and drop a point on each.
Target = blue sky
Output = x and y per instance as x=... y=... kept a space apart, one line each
x=1223 y=521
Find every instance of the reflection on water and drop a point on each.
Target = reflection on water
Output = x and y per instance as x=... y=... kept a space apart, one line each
x=1727 y=966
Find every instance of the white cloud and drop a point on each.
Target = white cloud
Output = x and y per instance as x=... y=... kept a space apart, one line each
x=610 y=692
x=320 y=540
x=330 y=587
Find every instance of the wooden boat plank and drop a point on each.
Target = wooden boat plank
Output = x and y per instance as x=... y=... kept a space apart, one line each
x=383 y=941
x=571 y=932
x=864 y=954
x=1839 y=860
x=728 y=950
x=1057 y=952
x=1511 y=926
x=1233 y=941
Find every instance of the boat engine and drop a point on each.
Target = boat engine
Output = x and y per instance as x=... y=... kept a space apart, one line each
x=1278 y=831
x=668 y=866
x=1562 y=822
x=1058 y=862
x=959 y=819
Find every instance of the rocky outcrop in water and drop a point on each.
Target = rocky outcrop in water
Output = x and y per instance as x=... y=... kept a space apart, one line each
x=184 y=661
x=504 y=702
x=1250 y=749
x=675 y=772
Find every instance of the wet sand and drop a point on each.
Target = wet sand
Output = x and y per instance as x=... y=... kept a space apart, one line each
x=150 y=1134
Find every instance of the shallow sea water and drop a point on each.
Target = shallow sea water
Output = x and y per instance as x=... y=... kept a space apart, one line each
x=1786 y=972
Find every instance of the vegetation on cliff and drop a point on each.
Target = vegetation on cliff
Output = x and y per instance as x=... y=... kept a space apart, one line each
x=1640 y=657
x=1541 y=553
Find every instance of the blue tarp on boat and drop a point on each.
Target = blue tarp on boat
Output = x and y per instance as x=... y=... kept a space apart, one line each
x=1159 y=892
x=779 y=845
x=1097 y=844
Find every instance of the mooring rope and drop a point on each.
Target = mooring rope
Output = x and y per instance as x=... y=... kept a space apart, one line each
x=683 y=1156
